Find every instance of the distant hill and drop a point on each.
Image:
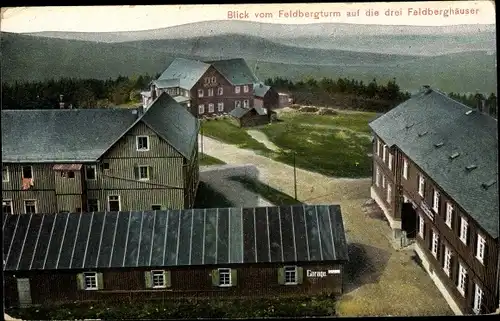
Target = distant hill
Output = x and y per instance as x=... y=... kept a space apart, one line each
x=28 y=58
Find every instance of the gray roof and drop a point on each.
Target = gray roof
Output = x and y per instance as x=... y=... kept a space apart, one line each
x=166 y=83
x=239 y=112
x=66 y=241
x=181 y=99
x=474 y=136
x=260 y=89
x=187 y=71
x=174 y=123
x=235 y=70
x=61 y=135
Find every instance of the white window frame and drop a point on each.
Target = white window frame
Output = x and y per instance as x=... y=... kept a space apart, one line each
x=220 y=91
x=384 y=152
x=119 y=202
x=435 y=243
x=378 y=147
x=449 y=215
x=211 y=108
x=290 y=270
x=90 y=276
x=447 y=260
x=158 y=275
x=391 y=158
x=225 y=271
x=9 y=201
x=478 y=299
x=389 y=193
x=139 y=167
x=377 y=176
x=237 y=103
x=98 y=204
x=210 y=92
x=201 y=109
x=405 y=168
x=421 y=185
x=200 y=93
x=213 y=80
x=421 y=226
x=464 y=225
x=94 y=168
x=7 y=175
x=220 y=107
x=237 y=89
x=462 y=275
x=435 y=201
x=34 y=202
x=137 y=138
x=245 y=88
x=246 y=103
x=480 y=246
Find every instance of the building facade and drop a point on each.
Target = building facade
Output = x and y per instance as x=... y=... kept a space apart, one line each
x=434 y=176
x=113 y=256
x=99 y=159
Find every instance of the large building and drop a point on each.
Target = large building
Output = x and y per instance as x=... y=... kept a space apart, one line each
x=144 y=255
x=212 y=87
x=77 y=160
x=435 y=175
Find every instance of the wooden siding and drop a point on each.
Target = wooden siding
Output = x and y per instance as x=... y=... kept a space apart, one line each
x=46 y=201
x=70 y=203
x=252 y=281
x=271 y=99
x=140 y=200
x=43 y=177
x=253 y=119
x=66 y=185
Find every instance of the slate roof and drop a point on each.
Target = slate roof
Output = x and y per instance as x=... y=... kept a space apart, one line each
x=300 y=233
x=260 y=89
x=186 y=71
x=474 y=136
x=235 y=70
x=167 y=83
x=84 y=135
x=239 y=112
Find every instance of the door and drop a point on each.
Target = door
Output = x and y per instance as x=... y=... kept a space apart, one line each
x=24 y=291
x=409 y=220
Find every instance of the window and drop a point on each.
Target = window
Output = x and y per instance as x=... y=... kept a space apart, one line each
x=245 y=103
x=156 y=207
x=5 y=174
x=435 y=202
x=421 y=226
x=224 y=277
x=158 y=279
x=68 y=174
x=30 y=206
x=449 y=214
x=245 y=88
x=200 y=93
x=447 y=261
x=405 y=168
x=201 y=109
x=384 y=151
x=186 y=93
x=463 y=230
x=210 y=91
x=105 y=165
x=220 y=91
x=390 y=160
x=237 y=103
x=213 y=80
x=90 y=172
x=478 y=299
x=377 y=176
x=27 y=172
x=237 y=89
x=389 y=193
x=207 y=80
x=142 y=143
x=7 y=207
x=462 y=277
x=114 y=203
x=220 y=106
x=290 y=275
x=143 y=173
x=481 y=243
x=435 y=243
x=421 y=185
x=210 y=108
x=90 y=279
x=93 y=205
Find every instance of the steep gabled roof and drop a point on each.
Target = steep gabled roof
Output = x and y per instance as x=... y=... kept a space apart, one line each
x=260 y=89
x=235 y=70
x=431 y=127
x=66 y=241
x=186 y=71
x=167 y=83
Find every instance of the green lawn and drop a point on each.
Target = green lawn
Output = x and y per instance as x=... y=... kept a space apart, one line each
x=209 y=160
x=272 y=195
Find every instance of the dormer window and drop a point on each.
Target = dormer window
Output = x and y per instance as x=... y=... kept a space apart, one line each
x=142 y=143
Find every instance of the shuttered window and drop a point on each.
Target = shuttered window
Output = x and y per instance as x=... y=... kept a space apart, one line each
x=224 y=277
x=157 y=279
x=90 y=281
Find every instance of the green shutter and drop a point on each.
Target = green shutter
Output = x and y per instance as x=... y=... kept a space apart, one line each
x=168 y=280
x=148 y=279
x=300 y=275
x=234 y=277
x=136 y=172
x=215 y=277
x=80 y=281
x=281 y=276
x=100 y=283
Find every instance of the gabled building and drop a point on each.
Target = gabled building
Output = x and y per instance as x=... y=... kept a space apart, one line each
x=435 y=169
x=212 y=87
x=79 y=160
x=163 y=255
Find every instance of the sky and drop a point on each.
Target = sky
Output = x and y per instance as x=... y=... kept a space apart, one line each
x=129 y=18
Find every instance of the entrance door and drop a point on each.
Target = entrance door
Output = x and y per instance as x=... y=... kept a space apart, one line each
x=409 y=220
x=24 y=291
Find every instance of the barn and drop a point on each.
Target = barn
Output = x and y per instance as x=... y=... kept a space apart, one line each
x=118 y=256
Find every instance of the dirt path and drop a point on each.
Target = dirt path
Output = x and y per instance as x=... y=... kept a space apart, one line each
x=262 y=138
x=380 y=280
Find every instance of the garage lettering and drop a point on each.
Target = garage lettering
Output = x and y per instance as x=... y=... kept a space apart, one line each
x=316 y=274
